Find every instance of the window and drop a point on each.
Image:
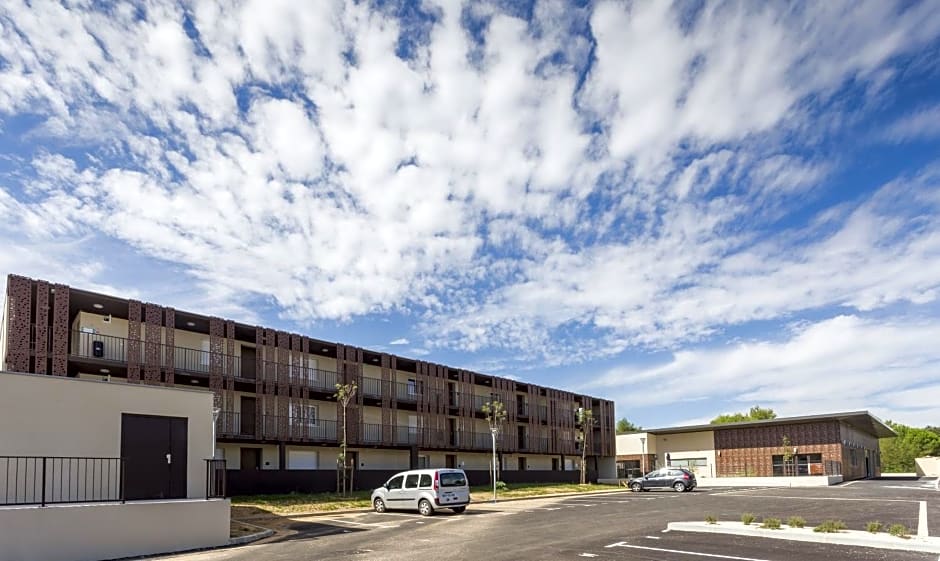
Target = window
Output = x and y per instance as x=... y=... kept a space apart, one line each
x=301 y=415
x=411 y=482
x=412 y=387
x=425 y=480
x=205 y=354
x=424 y=462
x=853 y=454
x=395 y=482
x=799 y=464
x=453 y=479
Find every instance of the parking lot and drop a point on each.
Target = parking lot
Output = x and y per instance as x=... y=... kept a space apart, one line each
x=615 y=526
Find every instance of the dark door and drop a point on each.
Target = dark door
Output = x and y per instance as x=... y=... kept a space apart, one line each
x=154 y=451
x=450 y=460
x=522 y=464
x=248 y=363
x=250 y=458
x=452 y=431
x=248 y=416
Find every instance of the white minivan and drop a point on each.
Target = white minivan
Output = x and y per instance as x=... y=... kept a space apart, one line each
x=424 y=490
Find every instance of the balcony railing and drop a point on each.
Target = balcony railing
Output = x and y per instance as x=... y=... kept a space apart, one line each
x=241 y=425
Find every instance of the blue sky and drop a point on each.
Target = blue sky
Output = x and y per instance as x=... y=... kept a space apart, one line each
x=689 y=209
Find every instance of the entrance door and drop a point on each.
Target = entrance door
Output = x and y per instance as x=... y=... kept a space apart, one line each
x=248 y=416
x=450 y=460
x=250 y=458
x=248 y=363
x=154 y=452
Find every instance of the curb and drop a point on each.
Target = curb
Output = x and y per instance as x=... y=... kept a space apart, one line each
x=845 y=537
x=488 y=501
x=242 y=540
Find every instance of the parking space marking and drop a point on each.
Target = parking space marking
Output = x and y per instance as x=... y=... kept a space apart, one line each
x=696 y=553
x=922 y=520
x=870 y=500
x=354 y=523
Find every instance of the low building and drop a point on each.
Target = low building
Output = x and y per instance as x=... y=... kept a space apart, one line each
x=278 y=424
x=836 y=446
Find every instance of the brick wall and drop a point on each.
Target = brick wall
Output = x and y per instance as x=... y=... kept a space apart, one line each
x=748 y=451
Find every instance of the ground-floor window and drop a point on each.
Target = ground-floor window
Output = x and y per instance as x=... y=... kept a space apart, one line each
x=689 y=463
x=798 y=464
x=628 y=468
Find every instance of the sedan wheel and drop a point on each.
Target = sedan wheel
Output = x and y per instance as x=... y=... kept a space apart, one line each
x=636 y=487
x=679 y=486
x=379 y=505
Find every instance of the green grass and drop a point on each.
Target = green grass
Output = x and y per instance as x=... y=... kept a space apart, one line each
x=299 y=503
x=771 y=523
x=796 y=522
x=830 y=527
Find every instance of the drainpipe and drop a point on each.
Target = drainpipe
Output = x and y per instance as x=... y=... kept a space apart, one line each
x=215 y=417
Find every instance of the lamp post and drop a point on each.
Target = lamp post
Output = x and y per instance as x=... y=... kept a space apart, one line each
x=643 y=457
x=215 y=418
x=493 y=431
x=495 y=416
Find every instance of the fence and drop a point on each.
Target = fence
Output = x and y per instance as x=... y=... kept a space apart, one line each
x=44 y=480
x=215 y=479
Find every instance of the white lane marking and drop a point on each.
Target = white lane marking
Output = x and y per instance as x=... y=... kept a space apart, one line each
x=922 y=520
x=624 y=544
x=848 y=484
x=653 y=537
x=587 y=555
x=354 y=523
x=827 y=499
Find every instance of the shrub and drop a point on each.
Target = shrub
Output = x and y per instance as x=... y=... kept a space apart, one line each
x=711 y=519
x=899 y=530
x=874 y=527
x=830 y=526
x=771 y=523
x=500 y=486
x=747 y=518
x=796 y=522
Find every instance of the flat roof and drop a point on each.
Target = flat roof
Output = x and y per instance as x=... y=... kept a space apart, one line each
x=861 y=420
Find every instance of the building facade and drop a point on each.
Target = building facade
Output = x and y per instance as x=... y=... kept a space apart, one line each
x=278 y=424
x=836 y=444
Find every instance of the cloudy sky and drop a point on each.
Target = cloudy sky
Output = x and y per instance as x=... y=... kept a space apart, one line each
x=689 y=209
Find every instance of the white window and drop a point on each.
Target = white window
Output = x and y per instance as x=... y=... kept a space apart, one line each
x=311 y=371
x=301 y=415
x=412 y=387
x=424 y=462
x=205 y=354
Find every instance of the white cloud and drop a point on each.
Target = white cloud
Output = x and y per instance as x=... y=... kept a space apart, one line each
x=922 y=124
x=845 y=363
x=399 y=341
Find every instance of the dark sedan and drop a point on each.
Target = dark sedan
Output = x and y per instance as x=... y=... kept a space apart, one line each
x=669 y=477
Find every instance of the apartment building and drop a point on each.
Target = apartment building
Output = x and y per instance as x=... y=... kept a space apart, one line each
x=278 y=424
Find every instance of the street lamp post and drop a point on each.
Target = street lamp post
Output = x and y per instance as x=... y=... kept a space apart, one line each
x=493 y=431
x=643 y=457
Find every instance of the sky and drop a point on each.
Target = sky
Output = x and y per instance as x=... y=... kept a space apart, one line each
x=687 y=208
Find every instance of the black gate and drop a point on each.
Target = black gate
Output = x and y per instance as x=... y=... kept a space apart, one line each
x=154 y=449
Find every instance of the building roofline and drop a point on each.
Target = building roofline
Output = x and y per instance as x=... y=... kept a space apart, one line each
x=862 y=420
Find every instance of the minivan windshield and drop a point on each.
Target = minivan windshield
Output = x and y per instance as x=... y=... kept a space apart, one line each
x=453 y=479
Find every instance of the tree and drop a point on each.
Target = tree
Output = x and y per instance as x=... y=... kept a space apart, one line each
x=898 y=453
x=756 y=413
x=495 y=416
x=344 y=394
x=586 y=421
x=624 y=426
x=787 y=447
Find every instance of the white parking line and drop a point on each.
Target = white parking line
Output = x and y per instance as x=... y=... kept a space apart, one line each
x=354 y=523
x=922 y=520
x=699 y=554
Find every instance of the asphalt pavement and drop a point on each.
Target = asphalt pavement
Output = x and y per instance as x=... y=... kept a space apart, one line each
x=616 y=526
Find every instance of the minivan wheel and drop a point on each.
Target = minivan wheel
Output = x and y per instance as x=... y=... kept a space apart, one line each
x=379 y=505
x=459 y=509
x=636 y=487
x=424 y=507
x=679 y=486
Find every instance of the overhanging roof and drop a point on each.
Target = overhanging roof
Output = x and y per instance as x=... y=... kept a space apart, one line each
x=861 y=420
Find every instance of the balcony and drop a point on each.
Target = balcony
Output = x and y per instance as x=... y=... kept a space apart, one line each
x=232 y=424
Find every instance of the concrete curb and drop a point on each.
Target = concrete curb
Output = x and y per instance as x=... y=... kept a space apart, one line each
x=844 y=537
x=242 y=540
x=487 y=502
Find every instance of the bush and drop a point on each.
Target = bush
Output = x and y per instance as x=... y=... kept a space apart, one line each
x=500 y=486
x=796 y=522
x=747 y=518
x=874 y=527
x=771 y=523
x=711 y=519
x=899 y=530
x=830 y=526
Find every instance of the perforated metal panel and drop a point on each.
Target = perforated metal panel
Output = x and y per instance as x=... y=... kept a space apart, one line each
x=60 y=331
x=19 y=296
x=41 y=320
x=133 y=341
x=216 y=361
x=169 y=351
x=152 y=344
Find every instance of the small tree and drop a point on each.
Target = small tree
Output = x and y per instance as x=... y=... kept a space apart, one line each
x=344 y=394
x=787 y=456
x=587 y=421
x=495 y=416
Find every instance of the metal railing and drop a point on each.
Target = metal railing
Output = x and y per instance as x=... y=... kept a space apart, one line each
x=45 y=480
x=238 y=425
x=215 y=479
x=371 y=387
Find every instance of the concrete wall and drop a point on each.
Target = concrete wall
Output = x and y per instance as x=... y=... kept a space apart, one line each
x=59 y=416
x=90 y=532
x=632 y=444
x=383 y=459
x=928 y=467
x=688 y=446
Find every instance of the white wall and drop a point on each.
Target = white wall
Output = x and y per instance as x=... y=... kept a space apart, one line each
x=59 y=416
x=383 y=459
x=631 y=444
x=688 y=445
x=929 y=467
x=112 y=530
